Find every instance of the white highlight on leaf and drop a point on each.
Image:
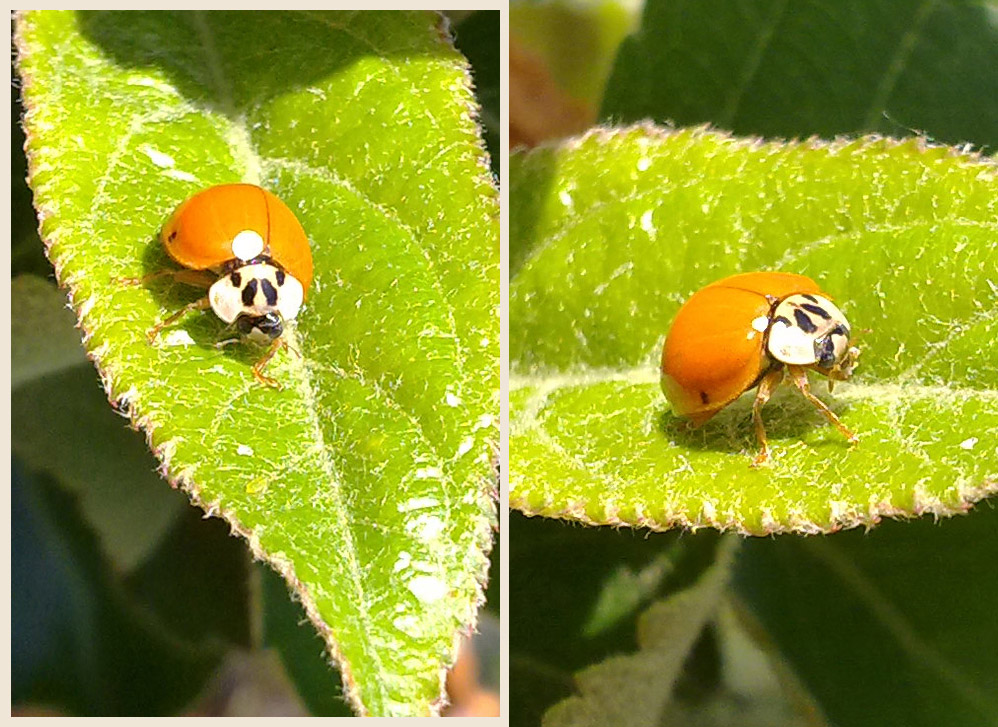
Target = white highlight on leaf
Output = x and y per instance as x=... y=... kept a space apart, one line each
x=177 y=337
x=245 y=450
x=969 y=443
x=179 y=175
x=409 y=625
x=565 y=197
x=484 y=421
x=647 y=225
x=417 y=503
x=152 y=83
x=160 y=159
x=425 y=527
x=427 y=588
x=429 y=473
x=402 y=562
x=247 y=245
x=643 y=164
x=452 y=399
x=465 y=446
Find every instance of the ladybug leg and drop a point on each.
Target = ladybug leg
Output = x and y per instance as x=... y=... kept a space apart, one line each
x=799 y=375
x=766 y=387
x=195 y=278
x=259 y=365
x=201 y=304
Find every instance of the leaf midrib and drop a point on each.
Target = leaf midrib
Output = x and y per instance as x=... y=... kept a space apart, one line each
x=647 y=375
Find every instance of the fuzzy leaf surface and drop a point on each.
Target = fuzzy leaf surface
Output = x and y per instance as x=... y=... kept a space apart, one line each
x=366 y=480
x=611 y=232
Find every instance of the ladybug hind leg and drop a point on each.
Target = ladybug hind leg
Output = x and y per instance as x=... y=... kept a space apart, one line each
x=766 y=387
x=194 y=278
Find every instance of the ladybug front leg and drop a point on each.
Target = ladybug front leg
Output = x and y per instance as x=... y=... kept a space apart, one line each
x=202 y=304
x=766 y=387
x=259 y=365
x=799 y=375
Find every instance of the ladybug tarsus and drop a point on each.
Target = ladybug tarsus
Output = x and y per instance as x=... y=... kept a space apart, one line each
x=259 y=366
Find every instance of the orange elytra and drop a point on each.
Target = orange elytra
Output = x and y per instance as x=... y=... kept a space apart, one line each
x=247 y=247
x=205 y=231
x=747 y=330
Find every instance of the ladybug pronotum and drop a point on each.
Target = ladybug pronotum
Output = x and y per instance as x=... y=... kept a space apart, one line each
x=747 y=331
x=248 y=249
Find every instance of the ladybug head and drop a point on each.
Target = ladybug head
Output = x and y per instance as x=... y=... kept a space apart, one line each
x=258 y=298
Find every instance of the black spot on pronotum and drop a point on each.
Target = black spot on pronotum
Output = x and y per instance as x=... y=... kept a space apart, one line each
x=703 y=397
x=173 y=236
x=803 y=322
x=249 y=292
x=809 y=297
x=279 y=276
x=840 y=330
x=236 y=278
x=782 y=319
x=817 y=310
x=269 y=291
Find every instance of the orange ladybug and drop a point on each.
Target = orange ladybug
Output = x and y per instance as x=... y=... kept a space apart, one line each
x=248 y=249
x=746 y=331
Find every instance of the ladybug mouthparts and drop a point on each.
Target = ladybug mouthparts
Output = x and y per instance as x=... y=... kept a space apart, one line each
x=263 y=328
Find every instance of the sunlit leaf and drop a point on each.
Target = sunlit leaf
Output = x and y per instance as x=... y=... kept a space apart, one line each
x=366 y=480
x=611 y=232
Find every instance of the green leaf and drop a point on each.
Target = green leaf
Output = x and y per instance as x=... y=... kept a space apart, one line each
x=636 y=689
x=366 y=480
x=286 y=631
x=611 y=232
x=784 y=69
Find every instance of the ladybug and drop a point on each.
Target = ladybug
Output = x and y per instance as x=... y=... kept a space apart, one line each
x=249 y=251
x=746 y=331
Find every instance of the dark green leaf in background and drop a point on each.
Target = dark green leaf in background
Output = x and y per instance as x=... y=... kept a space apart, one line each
x=367 y=480
x=85 y=640
x=893 y=627
x=786 y=69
